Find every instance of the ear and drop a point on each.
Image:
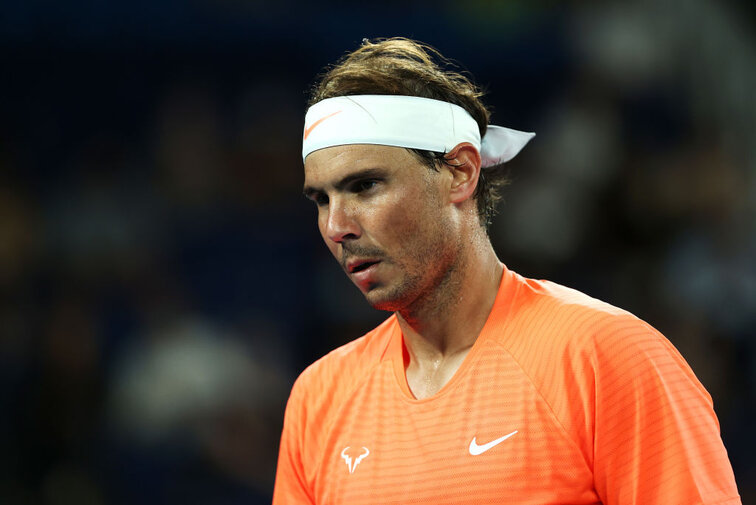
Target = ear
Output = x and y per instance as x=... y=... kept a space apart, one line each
x=464 y=165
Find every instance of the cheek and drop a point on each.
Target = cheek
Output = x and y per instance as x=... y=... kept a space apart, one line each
x=410 y=220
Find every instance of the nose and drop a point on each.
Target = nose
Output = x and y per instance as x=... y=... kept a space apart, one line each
x=342 y=223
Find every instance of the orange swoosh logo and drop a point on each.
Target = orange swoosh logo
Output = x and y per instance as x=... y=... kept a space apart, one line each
x=309 y=129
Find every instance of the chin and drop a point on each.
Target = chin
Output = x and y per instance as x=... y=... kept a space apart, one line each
x=389 y=306
x=386 y=299
x=380 y=302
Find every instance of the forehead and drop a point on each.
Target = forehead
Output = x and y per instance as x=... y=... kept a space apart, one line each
x=326 y=166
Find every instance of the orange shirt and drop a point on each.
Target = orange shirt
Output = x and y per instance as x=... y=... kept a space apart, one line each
x=563 y=399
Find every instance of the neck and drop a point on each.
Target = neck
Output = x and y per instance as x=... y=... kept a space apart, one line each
x=447 y=321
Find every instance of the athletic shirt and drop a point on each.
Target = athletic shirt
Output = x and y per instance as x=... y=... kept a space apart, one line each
x=562 y=399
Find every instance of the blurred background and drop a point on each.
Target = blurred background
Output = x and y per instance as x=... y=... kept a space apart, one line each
x=162 y=281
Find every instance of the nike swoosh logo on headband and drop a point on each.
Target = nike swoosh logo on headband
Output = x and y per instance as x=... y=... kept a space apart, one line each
x=309 y=129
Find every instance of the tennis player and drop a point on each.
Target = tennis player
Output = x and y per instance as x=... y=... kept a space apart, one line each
x=482 y=386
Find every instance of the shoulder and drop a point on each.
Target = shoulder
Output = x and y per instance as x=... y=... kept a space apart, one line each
x=554 y=330
x=559 y=328
x=622 y=392
x=337 y=373
x=588 y=358
x=555 y=300
x=573 y=319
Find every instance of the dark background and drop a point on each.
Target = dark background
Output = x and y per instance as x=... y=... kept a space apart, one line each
x=162 y=281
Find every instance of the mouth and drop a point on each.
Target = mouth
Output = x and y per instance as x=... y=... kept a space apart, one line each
x=357 y=266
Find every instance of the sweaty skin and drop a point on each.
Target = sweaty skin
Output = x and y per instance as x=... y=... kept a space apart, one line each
x=410 y=240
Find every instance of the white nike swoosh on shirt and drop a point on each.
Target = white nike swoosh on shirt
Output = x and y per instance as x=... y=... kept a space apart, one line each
x=476 y=449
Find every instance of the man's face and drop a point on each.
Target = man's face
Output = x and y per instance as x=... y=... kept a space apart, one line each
x=385 y=218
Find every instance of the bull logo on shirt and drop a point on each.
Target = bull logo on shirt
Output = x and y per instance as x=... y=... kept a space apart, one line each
x=352 y=464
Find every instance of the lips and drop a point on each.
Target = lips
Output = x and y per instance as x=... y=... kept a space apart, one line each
x=356 y=266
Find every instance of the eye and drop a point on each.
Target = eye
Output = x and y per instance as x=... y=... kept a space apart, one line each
x=321 y=199
x=364 y=185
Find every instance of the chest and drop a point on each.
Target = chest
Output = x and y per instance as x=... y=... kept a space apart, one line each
x=487 y=437
x=425 y=379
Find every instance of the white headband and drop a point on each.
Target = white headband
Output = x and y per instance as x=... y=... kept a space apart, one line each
x=405 y=121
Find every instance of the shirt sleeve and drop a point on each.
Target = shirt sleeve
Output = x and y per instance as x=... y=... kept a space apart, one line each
x=657 y=438
x=291 y=484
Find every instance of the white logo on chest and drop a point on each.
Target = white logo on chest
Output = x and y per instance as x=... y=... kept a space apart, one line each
x=477 y=450
x=352 y=464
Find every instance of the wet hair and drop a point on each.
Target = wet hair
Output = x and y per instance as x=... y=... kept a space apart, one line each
x=400 y=66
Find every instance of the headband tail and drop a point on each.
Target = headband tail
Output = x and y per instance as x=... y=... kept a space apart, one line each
x=501 y=144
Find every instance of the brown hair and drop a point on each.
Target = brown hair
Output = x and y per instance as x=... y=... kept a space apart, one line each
x=400 y=66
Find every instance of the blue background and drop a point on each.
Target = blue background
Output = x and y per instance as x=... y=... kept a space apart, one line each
x=162 y=281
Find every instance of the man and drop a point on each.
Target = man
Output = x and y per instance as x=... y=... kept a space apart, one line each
x=483 y=386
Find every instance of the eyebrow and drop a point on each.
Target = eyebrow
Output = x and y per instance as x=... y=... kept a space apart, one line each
x=367 y=173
